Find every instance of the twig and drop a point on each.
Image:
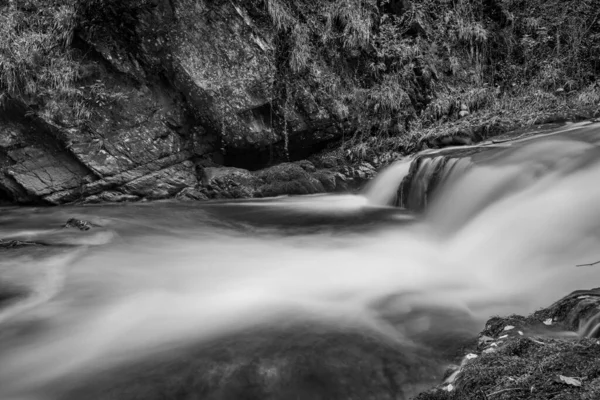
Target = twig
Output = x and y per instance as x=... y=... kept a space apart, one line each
x=588 y=265
x=537 y=341
x=503 y=390
x=483 y=394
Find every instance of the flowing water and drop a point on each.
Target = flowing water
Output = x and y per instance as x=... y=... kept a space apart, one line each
x=501 y=236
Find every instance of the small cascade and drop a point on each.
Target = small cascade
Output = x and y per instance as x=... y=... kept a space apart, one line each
x=427 y=176
x=382 y=190
x=412 y=184
x=591 y=328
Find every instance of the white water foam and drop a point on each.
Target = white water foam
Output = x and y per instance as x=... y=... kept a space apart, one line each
x=477 y=249
x=382 y=190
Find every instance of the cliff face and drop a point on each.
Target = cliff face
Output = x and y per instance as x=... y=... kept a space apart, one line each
x=122 y=100
x=171 y=87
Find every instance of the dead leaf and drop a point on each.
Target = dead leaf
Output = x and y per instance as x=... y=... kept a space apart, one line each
x=570 y=381
x=508 y=327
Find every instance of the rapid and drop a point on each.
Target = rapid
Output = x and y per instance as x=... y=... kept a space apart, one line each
x=502 y=235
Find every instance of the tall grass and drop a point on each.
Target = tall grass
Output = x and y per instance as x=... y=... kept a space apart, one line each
x=356 y=59
x=36 y=61
x=38 y=65
x=393 y=75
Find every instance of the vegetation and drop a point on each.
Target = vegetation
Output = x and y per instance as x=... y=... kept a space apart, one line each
x=546 y=355
x=40 y=66
x=400 y=69
x=36 y=62
x=530 y=369
x=392 y=71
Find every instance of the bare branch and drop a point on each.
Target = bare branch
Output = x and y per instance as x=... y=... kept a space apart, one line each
x=588 y=265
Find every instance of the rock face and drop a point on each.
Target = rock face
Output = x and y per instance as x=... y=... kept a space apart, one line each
x=181 y=81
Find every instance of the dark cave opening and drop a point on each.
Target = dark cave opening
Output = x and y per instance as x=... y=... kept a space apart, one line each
x=267 y=156
x=5 y=198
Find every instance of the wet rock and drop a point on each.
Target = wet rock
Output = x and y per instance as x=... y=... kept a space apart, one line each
x=110 y=197
x=217 y=175
x=283 y=179
x=13 y=244
x=130 y=148
x=164 y=183
x=78 y=224
x=192 y=194
x=288 y=178
x=32 y=162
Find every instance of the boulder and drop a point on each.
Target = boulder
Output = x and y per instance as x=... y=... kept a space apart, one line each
x=78 y=224
x=283 y=179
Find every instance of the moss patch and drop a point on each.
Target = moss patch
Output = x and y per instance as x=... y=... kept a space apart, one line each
x=535 y=357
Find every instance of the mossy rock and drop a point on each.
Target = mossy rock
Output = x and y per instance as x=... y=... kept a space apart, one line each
x=549 y=354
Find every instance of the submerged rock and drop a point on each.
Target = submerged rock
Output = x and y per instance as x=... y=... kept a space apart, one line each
x=10 y=294
x=78 y=224
x=12 y=244
x=300 y=363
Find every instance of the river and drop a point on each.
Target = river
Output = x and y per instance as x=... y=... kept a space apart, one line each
x=153 y=279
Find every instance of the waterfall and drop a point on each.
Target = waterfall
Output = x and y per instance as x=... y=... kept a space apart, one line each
x=591 y=328
x=382 y=191
x=430 y=176
x=412 y=184
x=498 y=169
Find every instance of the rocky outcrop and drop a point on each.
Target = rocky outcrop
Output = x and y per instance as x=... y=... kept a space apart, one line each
x=173 y=83
x=132 y=153
x=553 y=353
x=297 y=178
x=287 y=178
x=220 y=57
